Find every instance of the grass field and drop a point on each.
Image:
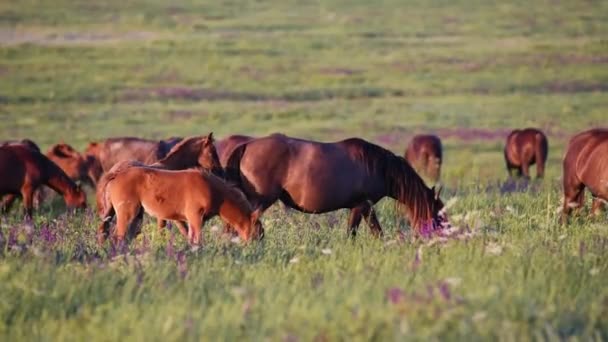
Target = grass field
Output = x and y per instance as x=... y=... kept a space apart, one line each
x=383 y=70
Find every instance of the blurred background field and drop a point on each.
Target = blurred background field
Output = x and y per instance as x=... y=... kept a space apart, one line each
x=469 y=71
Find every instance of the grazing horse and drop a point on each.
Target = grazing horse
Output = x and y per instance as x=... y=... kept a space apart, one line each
x=114 y=150
x=586 y=165
x=315 y=177
x=23 y=170
x=524 y=148
x=74 y=164
x=424 y=153
x=186 y=195
x=27 y=142
x=189 y=153
x=227 y=145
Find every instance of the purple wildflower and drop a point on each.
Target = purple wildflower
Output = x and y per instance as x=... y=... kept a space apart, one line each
x=182 y=264
x=444 y=289
x=395 y=295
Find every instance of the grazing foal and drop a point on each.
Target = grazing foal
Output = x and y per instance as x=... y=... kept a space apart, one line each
x=187 y=195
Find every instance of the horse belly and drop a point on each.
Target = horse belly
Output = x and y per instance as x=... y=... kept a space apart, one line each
x=594 y=171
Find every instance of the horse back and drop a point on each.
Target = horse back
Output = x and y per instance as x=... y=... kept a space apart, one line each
x=587 y=156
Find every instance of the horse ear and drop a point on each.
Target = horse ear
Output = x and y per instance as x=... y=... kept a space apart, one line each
x=209 y=139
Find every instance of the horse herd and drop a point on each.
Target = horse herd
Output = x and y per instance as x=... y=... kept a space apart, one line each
x=190 y=180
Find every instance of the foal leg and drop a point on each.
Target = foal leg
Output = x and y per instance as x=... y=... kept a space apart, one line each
x=124 y=216
x=525 y=169
x=195 y=222
x=354 y=219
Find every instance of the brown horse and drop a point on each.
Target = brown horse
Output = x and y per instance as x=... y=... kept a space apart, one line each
x=74 y=164
x=424 y=153
x=27 y=142
x=187 y=195
x=524 y=148
x=189 y=153
x=23 y=170
x=315 y=177
x=586 y=165
x=226 y=146
x=114 y=150
x=71 y=162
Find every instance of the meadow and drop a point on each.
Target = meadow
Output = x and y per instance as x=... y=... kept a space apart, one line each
x=469 y=71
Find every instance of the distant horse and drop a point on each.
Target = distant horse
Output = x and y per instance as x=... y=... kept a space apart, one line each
x=586 y=165
x=424 y=153
x=524 y=148
x=189 y=153
x=187 y=195
x=227 y=145
x=114 y=150
x=315 y=177
x=23 y=170
x=27 y=142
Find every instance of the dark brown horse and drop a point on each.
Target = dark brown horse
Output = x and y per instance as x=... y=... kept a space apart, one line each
x=23 y=170
x=586 y=165
x=524 y=148
x=27 y=142
x=227 y=145
x=185 y=195
x=424 y=153
x=315 y=177
x=114 y=150
x=192 y=152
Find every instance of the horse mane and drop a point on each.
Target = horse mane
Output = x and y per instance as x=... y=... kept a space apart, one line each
x=174 y=156
x=52 y=170
x=232 y=190
x=402 y=182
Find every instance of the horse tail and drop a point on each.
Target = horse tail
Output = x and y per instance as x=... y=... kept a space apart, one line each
x=541 y=149
x=233 y=164
x=102 y=196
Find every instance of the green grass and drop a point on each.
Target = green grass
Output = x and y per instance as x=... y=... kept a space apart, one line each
x=382 y=70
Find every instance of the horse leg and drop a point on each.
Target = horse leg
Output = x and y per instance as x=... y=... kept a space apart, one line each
x=525 y=169
x=195 y=222
x=161 y=224
x=7 y=202
x=124 y=216
x=135 y=226
x=104 y=228
x=574 y=195
x=597 y=206
x=181 y=225
x=27 y=192
x=372 y=222
x=354 y=220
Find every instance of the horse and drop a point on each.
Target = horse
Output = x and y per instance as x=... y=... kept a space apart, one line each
x=23 y=171
x=317 y=177
x=585 y=164
x=225 y=146
x=524 y=148
x=424 y=153
x=74 y=164
x=71 y=162
x=191 y=195
x=27 y=142
x=114 y=150
x=189 y=153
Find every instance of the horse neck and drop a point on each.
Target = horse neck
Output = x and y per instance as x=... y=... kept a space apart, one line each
x=57 y=180
x=405 y=186
x=234 y=213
